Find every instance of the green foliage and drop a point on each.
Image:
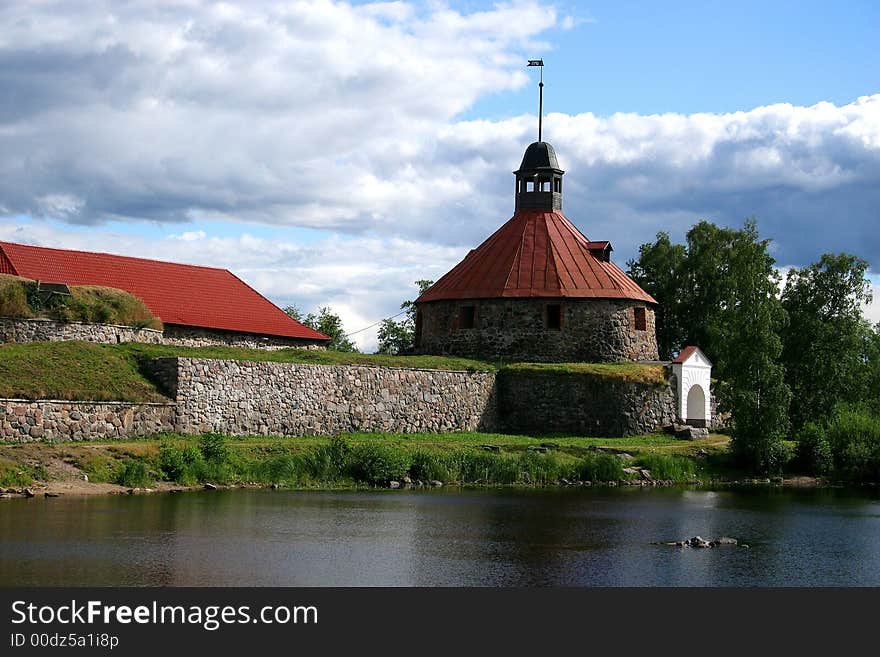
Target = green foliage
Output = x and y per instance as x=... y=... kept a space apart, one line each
x=600 y=467
x=668 y=467
x=134 y=474
x=659 y=271
x=328 y=323
x=394 y=337
x=328 y=462
x=375 y=463
x=432 y=466
x=183 y=464
x=398 y=337
x=13 y=297
x=214 y=448
x=20 y=297
x=826 y=351
x=813 y=449
x=720 y=292
x=17 y=474
x=854 y=437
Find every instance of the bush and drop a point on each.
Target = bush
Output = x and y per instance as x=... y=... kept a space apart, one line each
x=214 y=448
x=854 y=438
x=813 y=450
x=378 y=464
x=181 y=464
x=431 y=466
x=279 y=469
x=134 y=474
x=600 y=467
x=327 y=462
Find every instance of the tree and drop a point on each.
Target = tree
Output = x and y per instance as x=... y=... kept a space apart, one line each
x=827 y=345
x=719 y=291
x=749 y=323
x=326 y=322
x=398 y=337
x=658 y=271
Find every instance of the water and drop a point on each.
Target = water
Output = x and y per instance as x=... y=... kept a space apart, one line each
x=590 y=537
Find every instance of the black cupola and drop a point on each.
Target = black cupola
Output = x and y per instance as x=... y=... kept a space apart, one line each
x=539 y=179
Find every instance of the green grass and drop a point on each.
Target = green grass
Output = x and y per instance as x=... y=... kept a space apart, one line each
x=73 y=370
x=13 y=474
x=353 y=460
x=632 y=372
x=85 y=303
x=307 y=356
x=99 y=372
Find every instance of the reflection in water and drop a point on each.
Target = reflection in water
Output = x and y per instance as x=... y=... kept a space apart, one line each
x=484 y=538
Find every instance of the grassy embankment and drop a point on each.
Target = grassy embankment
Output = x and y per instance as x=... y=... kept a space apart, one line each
x=20 y=297
x=84 y=371
x=95 y=372
x=362 y=460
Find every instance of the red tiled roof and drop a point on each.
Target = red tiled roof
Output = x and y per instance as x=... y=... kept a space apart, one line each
x=686 y=353
x=177 y=294
x=537 y=253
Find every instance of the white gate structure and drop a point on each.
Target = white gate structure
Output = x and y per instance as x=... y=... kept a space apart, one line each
x=693 y=375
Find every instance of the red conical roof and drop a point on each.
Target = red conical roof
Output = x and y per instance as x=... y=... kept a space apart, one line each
x=538 y=253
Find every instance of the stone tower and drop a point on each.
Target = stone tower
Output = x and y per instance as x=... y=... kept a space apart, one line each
x=537 y=289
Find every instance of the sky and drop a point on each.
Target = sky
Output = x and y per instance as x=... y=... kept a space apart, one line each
x=331 y=153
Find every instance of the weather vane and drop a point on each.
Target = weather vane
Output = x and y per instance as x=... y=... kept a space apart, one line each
x=539 y=62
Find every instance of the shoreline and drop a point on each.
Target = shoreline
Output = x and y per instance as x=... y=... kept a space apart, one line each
x=73 y=488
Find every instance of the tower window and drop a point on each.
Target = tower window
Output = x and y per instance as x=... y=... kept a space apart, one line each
x=558 y=184
x=554 y=316
x=530 y=185
x=466 y=316
x=641 y=319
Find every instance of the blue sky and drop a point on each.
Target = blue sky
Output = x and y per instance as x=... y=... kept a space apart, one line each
x=332 y=154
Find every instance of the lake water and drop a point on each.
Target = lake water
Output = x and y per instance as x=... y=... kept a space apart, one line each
x=583 y=537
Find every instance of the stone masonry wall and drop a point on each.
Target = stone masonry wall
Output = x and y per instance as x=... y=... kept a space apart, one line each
x=14 y=329
x=240 y=398
x=46 y=330
x=581 y=404
x=29 y=421
x=592 y=330
x=191 y=336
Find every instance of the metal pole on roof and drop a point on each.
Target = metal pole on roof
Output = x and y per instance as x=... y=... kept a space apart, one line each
x=540 y=63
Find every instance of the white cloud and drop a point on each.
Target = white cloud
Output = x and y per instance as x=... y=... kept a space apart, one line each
x=345 y=118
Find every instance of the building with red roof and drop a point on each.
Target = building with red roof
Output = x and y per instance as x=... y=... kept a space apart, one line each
x=537 y=289
x=198 y=306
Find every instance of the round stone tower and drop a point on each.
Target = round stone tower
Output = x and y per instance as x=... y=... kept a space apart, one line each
x=537 y=289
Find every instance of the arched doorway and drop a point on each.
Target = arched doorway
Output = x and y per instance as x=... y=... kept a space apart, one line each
x=696 y=406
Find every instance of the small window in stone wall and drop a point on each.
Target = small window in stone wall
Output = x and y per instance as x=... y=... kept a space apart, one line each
x=554 y=316
x=641 y=319
x=466 y=316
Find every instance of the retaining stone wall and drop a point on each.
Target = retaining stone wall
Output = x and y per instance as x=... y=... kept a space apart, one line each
x=14 y=329
x=592 y=330
x=190 y=336
x=28 y=421
x=242 y=398
x=582 y=405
